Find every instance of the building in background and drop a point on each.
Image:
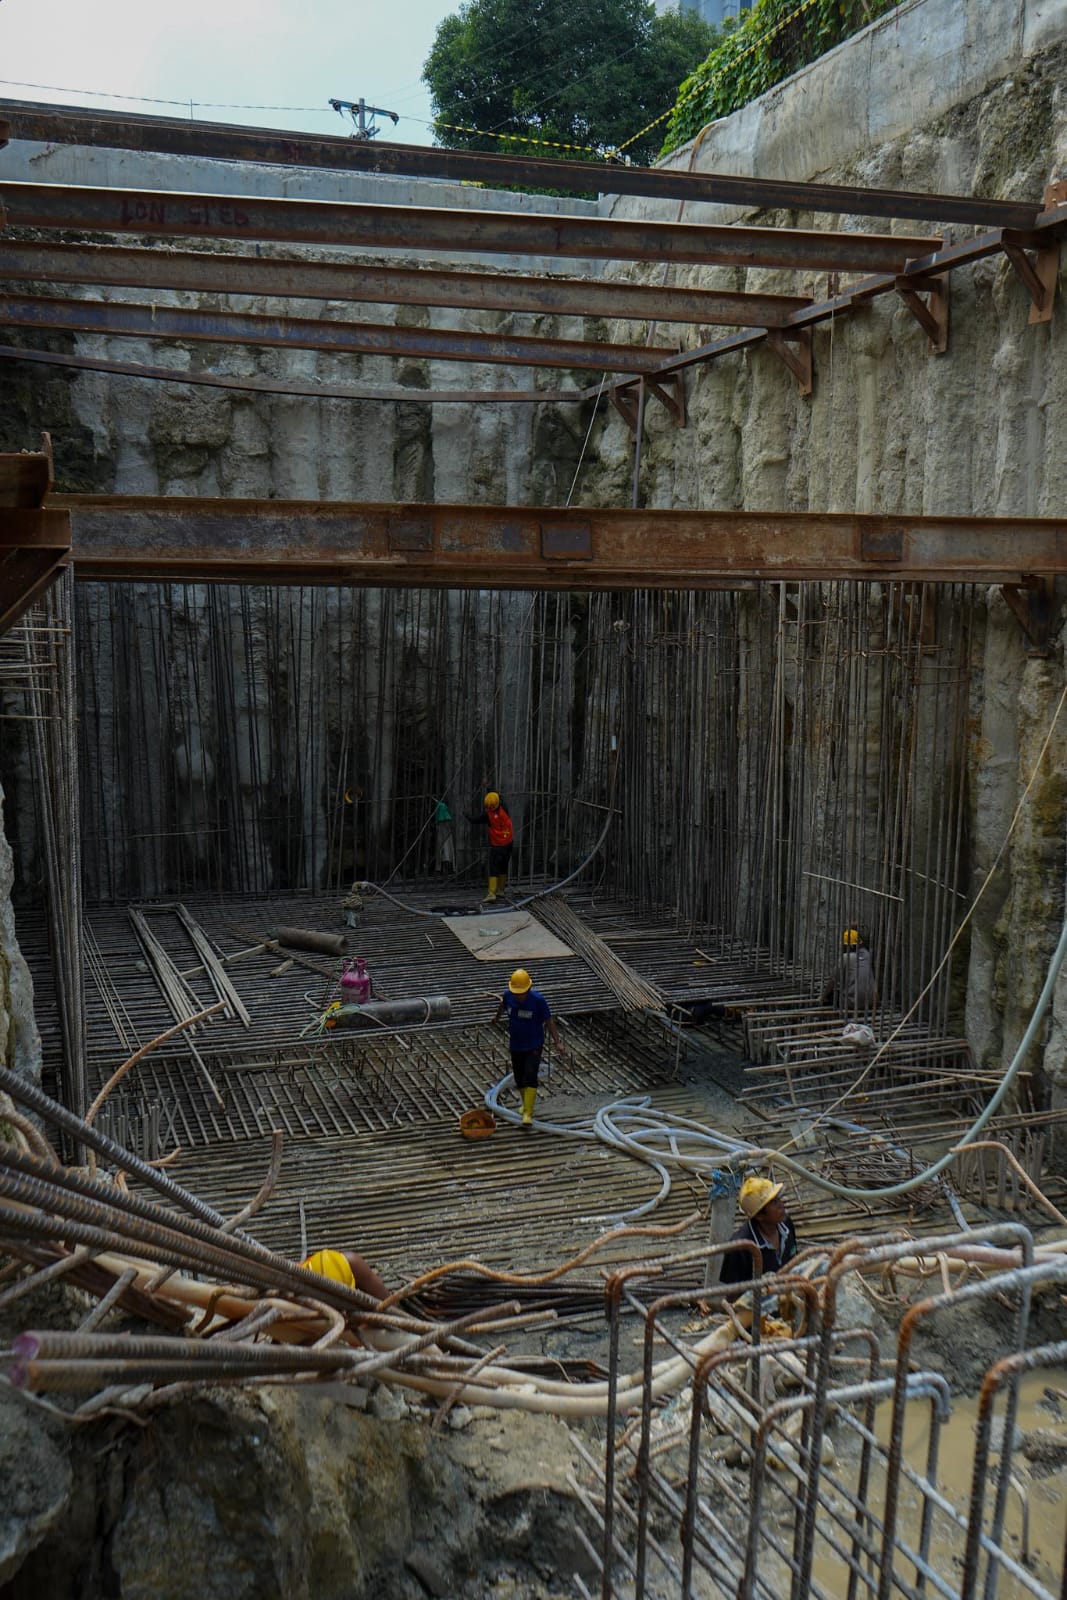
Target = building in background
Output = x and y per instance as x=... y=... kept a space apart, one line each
x=714 y=11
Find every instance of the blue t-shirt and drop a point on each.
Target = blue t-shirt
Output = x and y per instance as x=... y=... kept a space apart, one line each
x=527 y=1015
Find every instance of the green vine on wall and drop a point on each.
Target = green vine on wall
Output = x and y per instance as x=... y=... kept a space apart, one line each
x=775 y=39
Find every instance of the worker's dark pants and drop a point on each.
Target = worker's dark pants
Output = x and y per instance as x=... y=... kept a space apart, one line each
x=499 y=857
x=525 y=1064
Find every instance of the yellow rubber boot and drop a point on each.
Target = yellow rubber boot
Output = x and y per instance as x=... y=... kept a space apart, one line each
x=528 y=1098
x=492 y=889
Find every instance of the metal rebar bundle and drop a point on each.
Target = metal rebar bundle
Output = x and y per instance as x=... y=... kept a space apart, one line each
x=633 y=992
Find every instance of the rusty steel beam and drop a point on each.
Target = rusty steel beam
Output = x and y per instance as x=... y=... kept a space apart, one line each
x=120 y=538
x=122 y=319
x=919 y=275
x=306 y=390
x=221 y=142
x=409 y=228
x=205 y=272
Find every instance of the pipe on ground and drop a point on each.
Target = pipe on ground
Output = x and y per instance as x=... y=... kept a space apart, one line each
x=392 y=1013
x=329 y=944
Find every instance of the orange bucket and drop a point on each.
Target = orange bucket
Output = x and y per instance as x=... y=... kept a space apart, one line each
x=477 y=1124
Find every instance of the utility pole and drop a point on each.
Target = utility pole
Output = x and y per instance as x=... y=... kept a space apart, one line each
x=361 y=112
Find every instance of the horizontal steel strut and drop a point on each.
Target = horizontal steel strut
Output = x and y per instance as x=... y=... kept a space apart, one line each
x=124 y=537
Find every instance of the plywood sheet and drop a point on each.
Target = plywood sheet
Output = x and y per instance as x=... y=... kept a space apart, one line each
x=506 y=936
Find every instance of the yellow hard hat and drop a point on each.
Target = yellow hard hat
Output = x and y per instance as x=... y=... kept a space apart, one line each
x=850 y=938
x=492 y=800
x=757 y=1193
x=520 y=981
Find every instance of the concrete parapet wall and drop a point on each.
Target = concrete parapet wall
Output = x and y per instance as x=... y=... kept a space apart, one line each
x=29 y=161
x=911 y=66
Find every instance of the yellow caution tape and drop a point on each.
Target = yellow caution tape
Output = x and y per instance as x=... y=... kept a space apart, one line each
x=723 y=72
x=519 y=138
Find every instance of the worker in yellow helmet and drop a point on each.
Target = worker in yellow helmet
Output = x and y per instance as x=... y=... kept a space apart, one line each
x=767 y=1225
x=345 y=1266
x=528 y=1015
x=501 y=841
x=851 y=986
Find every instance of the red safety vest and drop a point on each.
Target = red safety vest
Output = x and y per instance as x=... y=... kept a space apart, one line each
x=500 y=829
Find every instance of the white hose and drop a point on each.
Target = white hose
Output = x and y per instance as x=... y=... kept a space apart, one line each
x=663 y=1140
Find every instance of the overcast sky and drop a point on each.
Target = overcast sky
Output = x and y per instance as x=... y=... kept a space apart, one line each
x=296 y=54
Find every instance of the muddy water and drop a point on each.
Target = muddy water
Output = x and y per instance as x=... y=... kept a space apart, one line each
x=1034 y=1527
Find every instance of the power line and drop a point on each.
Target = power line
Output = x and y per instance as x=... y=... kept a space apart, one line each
x=151 y=100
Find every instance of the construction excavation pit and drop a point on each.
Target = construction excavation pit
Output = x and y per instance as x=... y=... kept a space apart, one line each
x=532 y=913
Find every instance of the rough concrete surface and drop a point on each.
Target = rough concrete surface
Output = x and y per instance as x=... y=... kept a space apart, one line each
x=21 y=1042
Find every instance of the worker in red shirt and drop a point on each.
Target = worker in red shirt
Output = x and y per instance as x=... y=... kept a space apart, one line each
x=501 y=841
x=529 y=1015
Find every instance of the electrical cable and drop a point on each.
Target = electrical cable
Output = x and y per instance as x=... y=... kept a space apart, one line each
x=585 y=441
x=511 y=905
x=153 y=100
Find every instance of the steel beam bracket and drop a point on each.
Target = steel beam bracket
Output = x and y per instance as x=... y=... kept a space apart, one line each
x=932 y=313
x=882 y=546
x=794 y=349
x=410 y=535
x=1035 y=606
x=34 y=547
x=668 y=388
x=671 y=394
x=1039 y=274
x=566 y=541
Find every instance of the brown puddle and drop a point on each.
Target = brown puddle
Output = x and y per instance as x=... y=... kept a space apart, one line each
x=1034 y=1523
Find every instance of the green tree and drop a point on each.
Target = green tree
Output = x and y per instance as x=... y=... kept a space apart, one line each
x=588 y=73
x=767 y=43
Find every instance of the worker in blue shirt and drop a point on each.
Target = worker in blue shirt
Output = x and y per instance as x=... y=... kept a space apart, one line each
x=528 y=1016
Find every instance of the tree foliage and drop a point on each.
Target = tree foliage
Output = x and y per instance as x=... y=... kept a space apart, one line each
x=584 y=73
x=772 y=41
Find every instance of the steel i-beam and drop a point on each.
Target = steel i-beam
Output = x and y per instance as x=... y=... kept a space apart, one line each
x=155 y=214
x=555 y=548
x=77 y=125
x=201 y=272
